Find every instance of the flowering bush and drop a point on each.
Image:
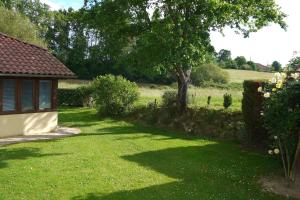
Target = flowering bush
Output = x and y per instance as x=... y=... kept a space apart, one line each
x=282 y=119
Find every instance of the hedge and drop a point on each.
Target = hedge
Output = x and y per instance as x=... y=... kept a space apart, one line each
x=74 y=97
x=252 y=108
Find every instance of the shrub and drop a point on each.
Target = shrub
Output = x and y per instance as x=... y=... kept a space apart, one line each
x=208 y=73
x=74 y=97
x=282 y=117
x=169 y=98
x=252 y=107
x=227 y=101
x=114 y=95
x=208 y=101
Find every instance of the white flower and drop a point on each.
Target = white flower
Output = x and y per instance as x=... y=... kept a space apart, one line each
x=275 y=137
x=283 y=75
x=273 y=80
x=267 y=95
x=276 y=151
x=277 y=75
x=270 y=152
x=295 y=75
x=262 y=113
x=259 y=89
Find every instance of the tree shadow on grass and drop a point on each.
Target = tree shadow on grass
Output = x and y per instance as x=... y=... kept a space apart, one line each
x=7 y=154
x=215 y=171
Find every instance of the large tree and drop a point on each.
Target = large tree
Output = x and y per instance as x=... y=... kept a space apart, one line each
x=16 y=25
x=175 y=34
x=39 y=13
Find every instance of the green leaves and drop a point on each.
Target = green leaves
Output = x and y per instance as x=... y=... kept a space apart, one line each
x=181 y=28
x=16 y=25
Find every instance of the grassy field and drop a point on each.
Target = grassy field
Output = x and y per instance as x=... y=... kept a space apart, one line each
x=238 y=76
x=150 y=92
x=115 y=160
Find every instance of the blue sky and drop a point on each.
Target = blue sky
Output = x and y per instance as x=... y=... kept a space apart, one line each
x=269 y=44
x=59 y=4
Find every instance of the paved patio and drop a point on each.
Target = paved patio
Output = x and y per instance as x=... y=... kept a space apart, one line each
x=60 y=133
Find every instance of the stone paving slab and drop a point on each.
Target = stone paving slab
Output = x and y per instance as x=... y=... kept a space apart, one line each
x=60 y=133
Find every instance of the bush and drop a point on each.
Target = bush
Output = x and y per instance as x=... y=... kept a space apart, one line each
x=114 y=95
x=282 y=117
x=208 y=73
x=75 y=97
x=252 y=107
x=169 y=98
x=227 y=101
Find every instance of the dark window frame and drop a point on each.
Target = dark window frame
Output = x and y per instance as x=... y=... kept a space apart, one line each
x=54 y=85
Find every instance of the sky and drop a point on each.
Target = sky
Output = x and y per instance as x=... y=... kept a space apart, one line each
x=269 y=44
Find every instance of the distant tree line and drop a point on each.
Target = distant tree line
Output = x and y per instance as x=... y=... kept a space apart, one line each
x=224 y=59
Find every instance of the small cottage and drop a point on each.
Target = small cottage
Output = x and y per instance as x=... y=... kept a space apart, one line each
x=28 y=88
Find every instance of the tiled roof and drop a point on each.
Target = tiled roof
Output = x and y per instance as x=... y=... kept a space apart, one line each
x=18 y=58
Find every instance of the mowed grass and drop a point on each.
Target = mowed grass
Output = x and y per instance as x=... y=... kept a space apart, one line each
x=115 y=160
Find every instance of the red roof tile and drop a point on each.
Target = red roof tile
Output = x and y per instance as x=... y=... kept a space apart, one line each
x=20 y=58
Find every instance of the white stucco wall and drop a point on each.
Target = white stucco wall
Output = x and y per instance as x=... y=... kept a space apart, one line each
x=28 y=124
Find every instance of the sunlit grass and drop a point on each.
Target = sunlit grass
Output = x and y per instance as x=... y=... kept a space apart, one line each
x=115 y=160
x=238 y=76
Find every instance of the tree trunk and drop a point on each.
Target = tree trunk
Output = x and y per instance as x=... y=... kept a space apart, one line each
x=182 y=95
x=183 y=85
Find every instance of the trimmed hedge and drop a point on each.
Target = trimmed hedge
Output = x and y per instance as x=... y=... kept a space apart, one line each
x=74 y=97
x=252 y=108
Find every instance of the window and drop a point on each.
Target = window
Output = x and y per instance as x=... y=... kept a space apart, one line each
x=45 y=94
x=9 y=95
x=27 y=95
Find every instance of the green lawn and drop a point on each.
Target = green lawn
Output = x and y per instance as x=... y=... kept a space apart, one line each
x=113 y=160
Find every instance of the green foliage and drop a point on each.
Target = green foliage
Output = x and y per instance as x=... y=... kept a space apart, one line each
x=277 y=66
x=252 y=107
x=208 y=101
x=282 y=117
x=294 y=64
x=169 y=98
x=179 y=29
x=224 y=55
x=78 y=97
x=252 y=65
x=241 y=62
x=114 y=95
x=19 y=26
x=227 y=101
x=208 y=73
x=37 y=12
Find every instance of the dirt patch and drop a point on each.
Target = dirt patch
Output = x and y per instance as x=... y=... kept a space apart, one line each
x=279 y=186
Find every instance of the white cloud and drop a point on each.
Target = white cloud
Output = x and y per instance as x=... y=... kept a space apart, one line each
x=269 y=44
